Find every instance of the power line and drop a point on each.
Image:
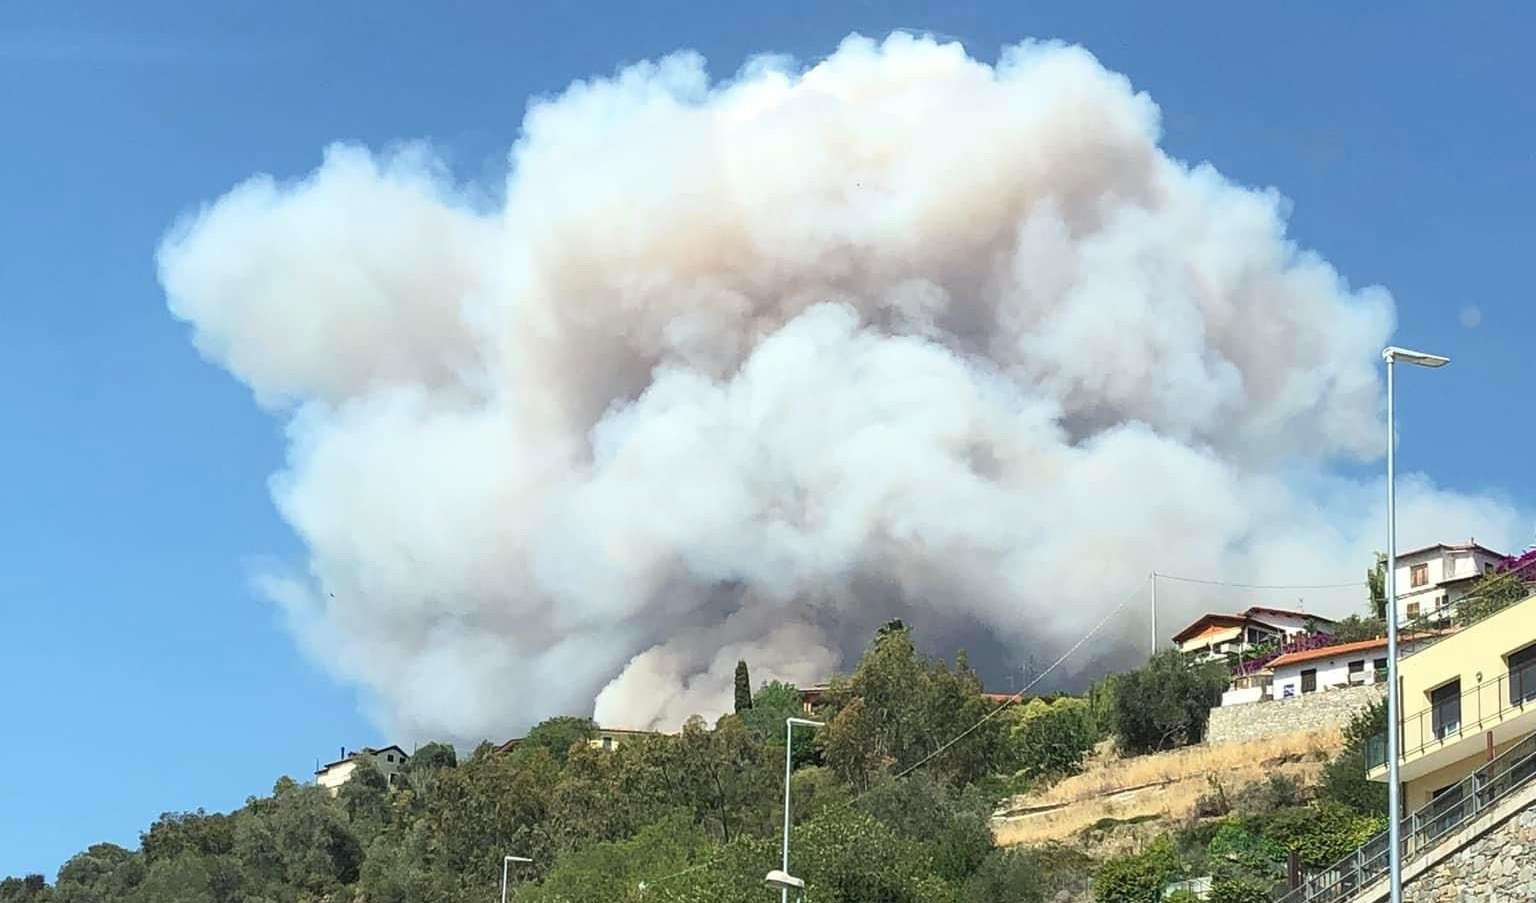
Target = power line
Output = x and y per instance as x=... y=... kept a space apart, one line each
x=646 y=885
x=1356 y=585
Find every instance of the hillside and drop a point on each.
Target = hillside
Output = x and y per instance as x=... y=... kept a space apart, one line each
x=1155 y=791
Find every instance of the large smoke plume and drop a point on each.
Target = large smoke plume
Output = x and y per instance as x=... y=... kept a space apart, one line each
x=741 y=369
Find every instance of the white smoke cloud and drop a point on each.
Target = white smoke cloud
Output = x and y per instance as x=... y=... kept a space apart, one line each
x=741 y=369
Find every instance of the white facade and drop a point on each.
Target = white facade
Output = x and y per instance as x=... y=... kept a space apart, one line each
x=1429 y=579
x=389 y=761
x=1341 y=670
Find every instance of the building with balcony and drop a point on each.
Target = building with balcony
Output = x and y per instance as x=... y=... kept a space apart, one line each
x=1214 y=636
x=1431 y=579
x=1465 y=699
x=389 y=761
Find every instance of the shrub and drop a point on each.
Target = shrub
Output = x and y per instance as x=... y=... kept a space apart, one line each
x=1138 y=878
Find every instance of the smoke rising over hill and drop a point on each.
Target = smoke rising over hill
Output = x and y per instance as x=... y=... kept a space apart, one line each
x=739 y=369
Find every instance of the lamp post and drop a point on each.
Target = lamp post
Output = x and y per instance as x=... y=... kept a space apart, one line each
x=1394 y=790
x=780 y=877
x=506 y=861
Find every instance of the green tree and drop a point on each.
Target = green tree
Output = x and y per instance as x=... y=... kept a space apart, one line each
x=1354 y=629
x=1028 y=875
x=28 y=889
x=104 y=873
x=1051 y=739
x=296 y=844
x=559 y=734
x=1376 y=587
x=1139 y=877
x=774 y=702
x=365 y=798
x=433 y=755
x=900 y=708
x=1344 y=778
x=743 y=688
x=177 y=832
x=1165 y=704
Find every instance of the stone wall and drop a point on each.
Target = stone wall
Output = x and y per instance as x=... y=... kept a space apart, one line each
x=1311 y=712
x=1490 y=860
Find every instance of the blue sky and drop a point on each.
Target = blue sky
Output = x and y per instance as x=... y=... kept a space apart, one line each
x=134 y=657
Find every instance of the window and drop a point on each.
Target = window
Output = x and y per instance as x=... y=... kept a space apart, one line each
x=390 y=757
x=1418 y=575
x=1522 y=675
x=607 y=743
x=1445 y=709
x=1357 y=672
x=1309 y=680
x=1439 y=602
x=1380 y=664
x=1413 y=610
x=1487 y=568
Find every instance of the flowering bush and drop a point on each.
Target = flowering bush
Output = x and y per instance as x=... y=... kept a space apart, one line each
x=1302 y=642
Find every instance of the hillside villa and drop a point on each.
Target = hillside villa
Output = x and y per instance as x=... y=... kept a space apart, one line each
x=1434 y=577
x=1215 y=636
x=604 y=738
x=389 y=761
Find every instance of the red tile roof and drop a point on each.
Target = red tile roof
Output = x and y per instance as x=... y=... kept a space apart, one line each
x=1309 y=655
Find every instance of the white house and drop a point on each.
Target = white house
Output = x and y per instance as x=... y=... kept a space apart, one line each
x=1343 y=665
x=1433 y=577
x=388 y=761
x=1215 y=635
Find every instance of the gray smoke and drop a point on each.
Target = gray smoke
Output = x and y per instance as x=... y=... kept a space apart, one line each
x=740 y=369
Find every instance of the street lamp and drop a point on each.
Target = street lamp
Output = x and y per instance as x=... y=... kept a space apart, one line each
x=506 y=861
x=1394 y=790
x=780 y=877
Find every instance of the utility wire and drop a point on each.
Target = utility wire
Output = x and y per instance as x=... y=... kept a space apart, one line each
x=646 y=885
x=1161 y=576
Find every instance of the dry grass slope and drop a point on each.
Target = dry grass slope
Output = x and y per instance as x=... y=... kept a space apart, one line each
x=1164 y=786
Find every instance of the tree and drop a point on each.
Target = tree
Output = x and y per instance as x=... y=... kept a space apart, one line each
x=1344 y=778
x=432 y=756
x=177 y=832
x=1354 y=629
x=1028 y=875
x=1376 y=585
x=104 y=872
x=743 y=688
x=1139 y=877
x=297 y=843
x=774 y=702
x=1051 y=739
x=559 y=734
x=1165 y=704
x=30 y=889
x=900 y=708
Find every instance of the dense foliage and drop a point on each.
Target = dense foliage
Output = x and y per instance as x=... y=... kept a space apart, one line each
x=891 y=803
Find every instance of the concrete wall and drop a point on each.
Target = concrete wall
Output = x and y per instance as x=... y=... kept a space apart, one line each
x=1270 y=718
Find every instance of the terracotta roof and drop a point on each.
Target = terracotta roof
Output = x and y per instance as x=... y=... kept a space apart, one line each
x=1201 y=622
x=1309 y=655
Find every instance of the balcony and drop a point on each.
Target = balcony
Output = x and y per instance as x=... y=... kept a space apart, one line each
x=1444 y=732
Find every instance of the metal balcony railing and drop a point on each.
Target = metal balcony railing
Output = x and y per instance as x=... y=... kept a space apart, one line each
x=1425 y=829
x=1472 y=710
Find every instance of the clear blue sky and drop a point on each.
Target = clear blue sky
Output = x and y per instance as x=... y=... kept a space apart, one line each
x=139 y=673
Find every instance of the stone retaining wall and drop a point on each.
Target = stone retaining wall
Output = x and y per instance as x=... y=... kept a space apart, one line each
x=1311 y=712
x=1490 y=860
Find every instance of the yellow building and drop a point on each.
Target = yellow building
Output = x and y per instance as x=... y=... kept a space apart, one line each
x=1464 y=700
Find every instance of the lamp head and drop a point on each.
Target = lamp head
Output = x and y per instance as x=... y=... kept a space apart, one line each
x=783 y=880
x=1393 y=354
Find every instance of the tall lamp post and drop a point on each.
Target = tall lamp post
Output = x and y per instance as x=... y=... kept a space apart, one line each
x=1394 y=789
x=506 y=861
x=780 y=877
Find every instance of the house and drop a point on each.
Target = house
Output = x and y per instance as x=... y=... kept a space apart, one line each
x=1434 y=577
x=1214 y=636
x=1342 y=665
x=604 y=738
x=1463 y=700
x=389 y=761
